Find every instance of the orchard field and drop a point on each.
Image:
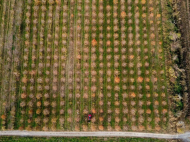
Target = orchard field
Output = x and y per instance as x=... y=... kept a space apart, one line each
x=63 y=59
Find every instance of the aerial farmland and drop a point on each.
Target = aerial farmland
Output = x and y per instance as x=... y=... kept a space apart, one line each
x=62 y=60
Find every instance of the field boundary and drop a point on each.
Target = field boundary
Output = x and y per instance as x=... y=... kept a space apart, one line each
x=94 y=134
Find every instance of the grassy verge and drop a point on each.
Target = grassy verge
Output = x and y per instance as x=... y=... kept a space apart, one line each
x=81 y=139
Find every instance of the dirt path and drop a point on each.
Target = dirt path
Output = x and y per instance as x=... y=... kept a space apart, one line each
x=184 y=136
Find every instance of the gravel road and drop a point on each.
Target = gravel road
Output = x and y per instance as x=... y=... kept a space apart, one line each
x=184 y=136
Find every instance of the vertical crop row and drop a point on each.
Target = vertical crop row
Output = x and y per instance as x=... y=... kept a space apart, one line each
x=141 y=67
x=67 y=28
x=70 y=66
x=55 y=66
x=44 y=37
x=123 y=15
x=101 y=64
x=94 y=46
x=109 y=67
x=90 y=60
x=153 y=72
x=78 y=68
x=160 y=82
x=161 y=68
x=130 y=95
x=147 y=89
x=63 y=54
x=86 y=58
x=40 y=87
x=137 y=64
x=117 y=71
x=47 y=73
x=133 y=63
x=40 y=61
x=121 y=20
x=24 y=65
x=35 y=70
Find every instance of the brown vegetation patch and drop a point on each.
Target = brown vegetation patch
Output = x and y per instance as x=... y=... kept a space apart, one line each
x=58 y=1
x=117 y=79
x=147 y=79
x=133 y=95
x=163 y=95
x=153 y=43
x=152 y=35
x=141 y=128
x=38 y=103
x=38 y=111
x=24 y=80
x=134 y=128
x=29 y=121
x=140 y=79
x=117 y=119
x=144 y=15
x=101 y=128
x=77 y=128
x=117 y=103
x=164 y=111
x=109 y=128
x=148 y=111
x=131 y=57
x=156 y=103
x=30 y=111
x=101 y=119
x=78 y=56
x=158 y=15
x=23 y=95
x=157 y=128
x=117 y=128
x=94 y=42
x=115 y=1
x=117 y=111
x=143 y=1
x=93 y=110
x=155 y=79
x=108 y=43
x=32 y=72
x=149 y=128
x=3 y=117
x=93 y=95
x=93 y=127
x=45 y=128
x=148 y=95
x=123 y=14
x=101 y=111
